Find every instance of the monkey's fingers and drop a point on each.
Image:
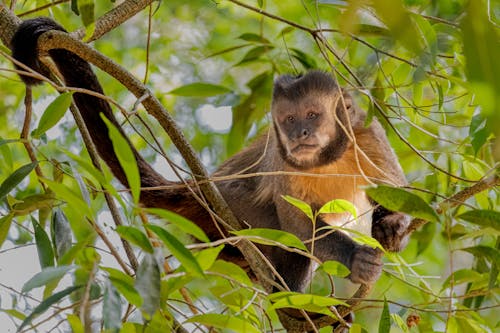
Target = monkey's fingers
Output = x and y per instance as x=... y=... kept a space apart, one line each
x=390 y=231
x=366 y=265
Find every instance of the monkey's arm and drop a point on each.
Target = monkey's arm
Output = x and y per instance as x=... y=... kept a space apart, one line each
x=388 y=227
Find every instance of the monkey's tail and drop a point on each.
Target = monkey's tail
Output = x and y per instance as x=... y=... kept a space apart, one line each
x=78 y=73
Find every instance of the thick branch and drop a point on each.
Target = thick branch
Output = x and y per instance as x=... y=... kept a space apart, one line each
x=8 y=24
x=113 y=18
x=458 y=199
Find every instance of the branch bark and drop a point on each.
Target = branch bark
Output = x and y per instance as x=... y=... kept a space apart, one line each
x=457 y=199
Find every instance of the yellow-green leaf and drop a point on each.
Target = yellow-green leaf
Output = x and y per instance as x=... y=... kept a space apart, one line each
x=200 y=89
x=339 y=206
x=271 y=237
x=308 y=302
x=15 y=178
x=126 y=158
x=234 y=323
x=178 y=249
x=181 y=222
x=53 y=113
x=399 y=200
x=136 y=237
x=303 y=206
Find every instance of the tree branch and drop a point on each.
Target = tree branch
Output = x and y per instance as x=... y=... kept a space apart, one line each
x=457 y=199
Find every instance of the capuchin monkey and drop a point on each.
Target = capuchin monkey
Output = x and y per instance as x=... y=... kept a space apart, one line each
x=318 y=149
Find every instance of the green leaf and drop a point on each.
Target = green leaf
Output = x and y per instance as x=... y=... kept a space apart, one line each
x=200 y=89
x=335 y=268
x=75 y=201
x=71 y=254
x=5 y=223
x=305 y=59
x=462 y=276
x=181 y=222
x=46 y=304
x=374 y=30
x=52 y=114
x=15 y=178
x=126 y=158
x=118 y=275
x=147 y=283
x=384 y=325
x=74 y=7
x=250 y=110
x=228 y=50
x=32 y=203
x=223 y=321
x=61 y=232
x=136 y=237
x=400 y=24
x=271 y=237
x=7 y=141
x=47 y=275
x=482 y=49
x=75 y=323
x=43 y=246
x=483 y=218
x=86 y=9
x=254 y=54
x=482 y=251
x=251 y=37
x=178 y=249
x=14 y=313
x=365 y=240
x=308 y=302
x=399 y=200
x=356 y=328
x=233 y=270
x=396 y=318
x=339 y=206
x=125 y=285
x=207 y=257
x=111 y=308
x=303 y=206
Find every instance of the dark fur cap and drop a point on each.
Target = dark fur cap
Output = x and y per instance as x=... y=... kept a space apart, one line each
x=295 y=88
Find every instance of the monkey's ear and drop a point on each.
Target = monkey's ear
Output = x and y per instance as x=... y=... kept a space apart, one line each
x=281 y=85
x=348 y=101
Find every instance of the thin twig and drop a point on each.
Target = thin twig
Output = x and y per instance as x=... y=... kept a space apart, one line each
x=28 y=105
x=458 y=199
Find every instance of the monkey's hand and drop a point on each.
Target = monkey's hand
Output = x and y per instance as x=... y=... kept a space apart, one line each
x=366 y=264
x=390 y=229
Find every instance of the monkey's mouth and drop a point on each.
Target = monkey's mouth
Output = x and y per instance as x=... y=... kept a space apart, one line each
x=304 y=148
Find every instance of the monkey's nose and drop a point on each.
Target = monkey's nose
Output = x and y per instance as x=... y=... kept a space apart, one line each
x=305 y=133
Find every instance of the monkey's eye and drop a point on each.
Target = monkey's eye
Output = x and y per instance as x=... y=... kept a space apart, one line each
x=290 y=119
x=312 y=115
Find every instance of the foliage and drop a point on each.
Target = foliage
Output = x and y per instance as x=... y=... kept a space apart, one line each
x=426 y=69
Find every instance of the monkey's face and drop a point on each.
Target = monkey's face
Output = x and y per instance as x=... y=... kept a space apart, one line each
x=308 y=130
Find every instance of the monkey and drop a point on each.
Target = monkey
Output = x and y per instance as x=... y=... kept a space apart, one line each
x=318 y=149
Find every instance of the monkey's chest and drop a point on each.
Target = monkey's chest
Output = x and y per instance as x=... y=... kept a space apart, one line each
x=317 y=191
x=363 y=222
